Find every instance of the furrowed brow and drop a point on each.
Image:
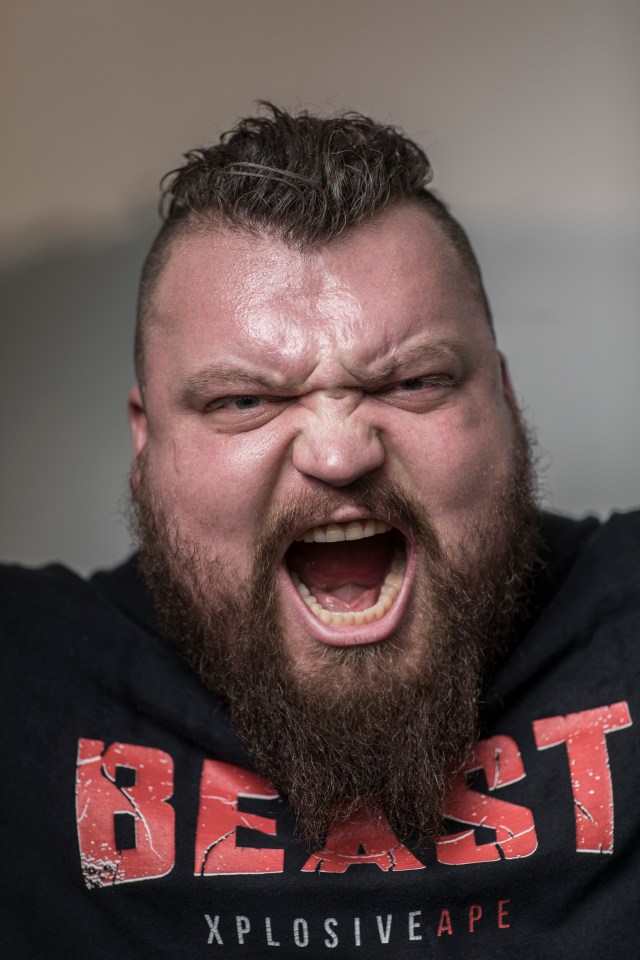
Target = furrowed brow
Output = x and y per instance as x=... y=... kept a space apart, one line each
x=202 y=382
x=441 y=352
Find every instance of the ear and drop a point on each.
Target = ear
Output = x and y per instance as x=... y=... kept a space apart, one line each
x=139 y=429
x=507 y=385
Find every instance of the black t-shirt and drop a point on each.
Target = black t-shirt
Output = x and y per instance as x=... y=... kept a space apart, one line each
x=133 y=825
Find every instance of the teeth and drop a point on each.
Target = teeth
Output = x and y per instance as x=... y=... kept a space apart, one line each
x=354 y=530
x=370 y=528
x=334 y=532
x=388 y=593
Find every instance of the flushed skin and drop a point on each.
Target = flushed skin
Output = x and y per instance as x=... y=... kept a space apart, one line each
x=272 y=374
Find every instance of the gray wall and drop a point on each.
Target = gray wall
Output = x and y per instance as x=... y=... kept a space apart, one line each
x=528 y=112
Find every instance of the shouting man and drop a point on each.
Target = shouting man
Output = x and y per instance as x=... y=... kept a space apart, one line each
x=345 y=603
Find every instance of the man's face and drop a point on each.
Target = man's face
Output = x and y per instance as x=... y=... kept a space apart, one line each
x=280 y=381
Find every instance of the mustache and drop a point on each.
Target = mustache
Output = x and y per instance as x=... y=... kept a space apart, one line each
x=370 y=496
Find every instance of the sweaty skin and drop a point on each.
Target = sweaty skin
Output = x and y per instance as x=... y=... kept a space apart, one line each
x=272 y=375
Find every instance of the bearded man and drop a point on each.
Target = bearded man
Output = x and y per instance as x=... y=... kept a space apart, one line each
x=347 y=624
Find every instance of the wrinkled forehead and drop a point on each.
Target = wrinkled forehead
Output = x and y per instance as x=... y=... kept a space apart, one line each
x=399 y=266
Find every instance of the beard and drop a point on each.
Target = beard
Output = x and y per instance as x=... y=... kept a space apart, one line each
x=383 y=726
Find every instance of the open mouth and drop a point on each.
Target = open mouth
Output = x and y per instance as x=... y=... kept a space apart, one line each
x=348 y=573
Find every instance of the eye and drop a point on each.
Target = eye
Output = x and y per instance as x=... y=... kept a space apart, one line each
x=237 y=414
x=246 y=403
x=235 y=405
x=419 y=394
x=416 y=383
x=421 y=383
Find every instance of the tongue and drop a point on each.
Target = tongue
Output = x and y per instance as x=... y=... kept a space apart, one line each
x=350 y=597
x=346 y=575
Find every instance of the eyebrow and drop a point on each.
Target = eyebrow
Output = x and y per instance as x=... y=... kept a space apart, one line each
x=192 y=387
x=440 y=351
x=223 y=375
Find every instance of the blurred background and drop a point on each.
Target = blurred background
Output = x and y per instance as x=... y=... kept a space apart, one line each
x=529 y=114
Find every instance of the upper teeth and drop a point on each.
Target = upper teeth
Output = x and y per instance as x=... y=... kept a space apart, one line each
x=354 y=530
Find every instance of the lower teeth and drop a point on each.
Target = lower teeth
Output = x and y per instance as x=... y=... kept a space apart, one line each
x=388 y=593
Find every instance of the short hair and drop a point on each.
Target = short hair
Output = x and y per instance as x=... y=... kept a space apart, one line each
x=302 y=178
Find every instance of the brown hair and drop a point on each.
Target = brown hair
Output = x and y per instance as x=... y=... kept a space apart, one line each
x=303 y=178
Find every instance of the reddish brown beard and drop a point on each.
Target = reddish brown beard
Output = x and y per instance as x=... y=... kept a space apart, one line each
x=368 y=724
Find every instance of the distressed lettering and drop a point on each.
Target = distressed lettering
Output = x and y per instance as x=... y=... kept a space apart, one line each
x=363 y=837
x=124 y=779
x=516 y=837
x=584 y=735
x=217 y=851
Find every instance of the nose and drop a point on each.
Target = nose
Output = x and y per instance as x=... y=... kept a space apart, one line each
x=337 y=443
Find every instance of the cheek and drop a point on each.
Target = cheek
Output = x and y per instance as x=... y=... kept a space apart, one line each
x=216 y=486
x=459 y=460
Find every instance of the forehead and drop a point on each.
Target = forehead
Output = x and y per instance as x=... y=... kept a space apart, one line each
x=380 y=285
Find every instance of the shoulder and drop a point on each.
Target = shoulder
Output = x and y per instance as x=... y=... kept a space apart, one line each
x=624 y=527
x=30 y=593
x=590 y=545
x=580 y=646
x=611 y=552
x=52 y=605
x=597 y=590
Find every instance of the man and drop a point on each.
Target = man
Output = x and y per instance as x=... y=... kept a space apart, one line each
x=322 y=727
